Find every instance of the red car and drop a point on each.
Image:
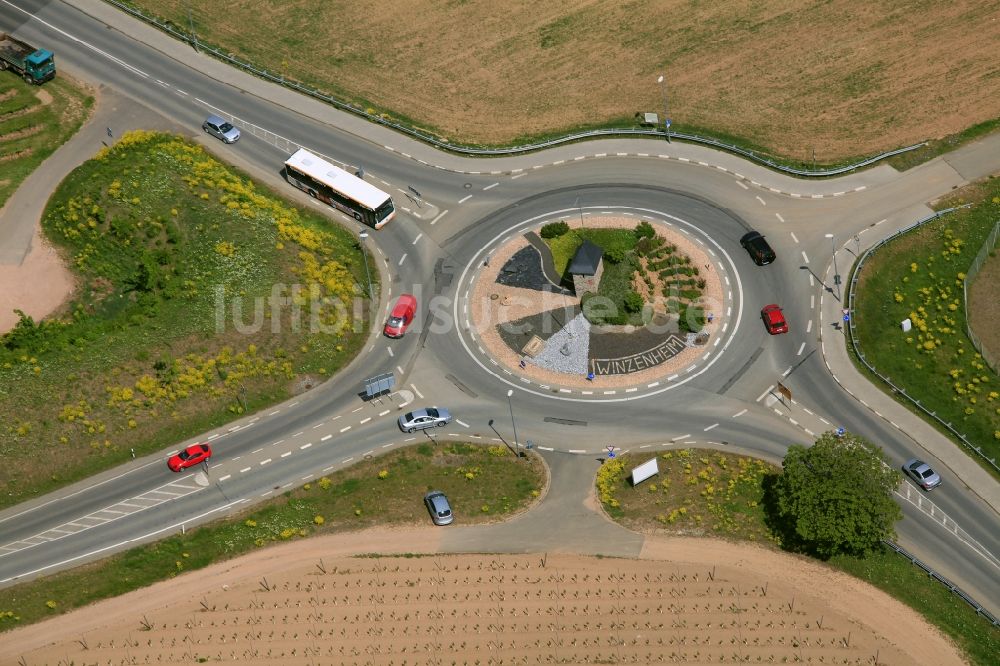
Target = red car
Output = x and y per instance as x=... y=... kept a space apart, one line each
x=774 y=321
x=189 y=457
x=401 y=316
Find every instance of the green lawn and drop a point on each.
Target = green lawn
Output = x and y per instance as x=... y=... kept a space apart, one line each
x=482 y=483
x=718 y=494
x=919 y=276
x=173 y=329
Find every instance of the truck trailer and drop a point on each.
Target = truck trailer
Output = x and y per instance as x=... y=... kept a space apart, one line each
x=33 y=65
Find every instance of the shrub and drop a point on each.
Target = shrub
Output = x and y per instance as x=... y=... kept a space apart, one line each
x=633 y=302
x=554 y=229
x=644 y=230
x=615 y=255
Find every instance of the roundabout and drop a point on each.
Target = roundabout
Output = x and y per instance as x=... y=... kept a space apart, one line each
x=550 y=327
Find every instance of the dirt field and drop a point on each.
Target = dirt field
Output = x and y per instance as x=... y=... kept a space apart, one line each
x=684 y=600
x=841 y=77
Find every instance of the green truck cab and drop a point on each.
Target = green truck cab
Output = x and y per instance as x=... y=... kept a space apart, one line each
x=33 y=65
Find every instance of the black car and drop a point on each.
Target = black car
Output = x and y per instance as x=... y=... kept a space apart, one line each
x=758 y=248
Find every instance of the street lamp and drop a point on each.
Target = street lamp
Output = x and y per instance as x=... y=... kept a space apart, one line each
x=836 y=273
x=666 y=108
x=517 y=451
x=364 y=252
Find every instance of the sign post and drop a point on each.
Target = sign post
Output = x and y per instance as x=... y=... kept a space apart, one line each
x=785 y=392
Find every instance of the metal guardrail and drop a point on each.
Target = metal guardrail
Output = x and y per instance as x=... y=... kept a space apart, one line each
x=495 y=152
x=955 y=589
x=970 y=275
x=861 y=355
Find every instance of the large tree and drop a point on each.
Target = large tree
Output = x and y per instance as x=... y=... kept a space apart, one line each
x=836 y=496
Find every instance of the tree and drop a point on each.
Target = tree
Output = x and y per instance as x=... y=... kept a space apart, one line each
x=836 y=496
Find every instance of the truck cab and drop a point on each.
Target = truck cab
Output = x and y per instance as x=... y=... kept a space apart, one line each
x=40 y=66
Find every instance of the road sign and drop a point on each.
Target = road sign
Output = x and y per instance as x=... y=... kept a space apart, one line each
x=785 y=392
x=611 y=451
x=667 y=122
x=847 y=315
x=841 y=432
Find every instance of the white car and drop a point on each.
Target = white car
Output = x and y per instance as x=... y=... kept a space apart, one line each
x=421 y=419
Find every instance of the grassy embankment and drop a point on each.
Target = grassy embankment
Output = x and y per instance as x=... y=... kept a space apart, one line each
x=482 y=483
x=719 y=494
x=32 y=127
x=164 y=240
x=919 y=276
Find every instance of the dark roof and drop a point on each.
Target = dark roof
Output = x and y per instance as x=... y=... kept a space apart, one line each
x=586 y=260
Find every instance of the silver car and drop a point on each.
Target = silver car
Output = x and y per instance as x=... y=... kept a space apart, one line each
x=439 y=507
x=221 y=129
x=922 y=473
x=421 y=419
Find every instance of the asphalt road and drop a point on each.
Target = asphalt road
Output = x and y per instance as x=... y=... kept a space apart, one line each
x=428 y=248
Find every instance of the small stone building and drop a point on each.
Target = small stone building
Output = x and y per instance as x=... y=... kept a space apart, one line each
x=586 y=268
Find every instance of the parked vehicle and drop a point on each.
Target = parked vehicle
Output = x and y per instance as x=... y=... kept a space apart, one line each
x=401 y=316
x=758 y=248
x=421 y=419
x=220 y=128
x=439 y=507
x=922 y=474
x=774 y=321
x=189 y=457
x=33 y=65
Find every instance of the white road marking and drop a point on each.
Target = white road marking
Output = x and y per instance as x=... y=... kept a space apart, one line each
x=710 y=427
x=439 y=216
x=769 y=389
x=742 y=185
x=801 y=347
x=364 y=421
x=465 y=198
x=681 y=437
x=265 y=461
x=419 y=236
x=490 y=187
x=345 y=429
x=780 y=219
x=245 y=469
x=739 y=413
x=804 y=257
x=384 y=413
x=389 y=349
x=462 y=423
x=286 y=454
x=402 y=259
x=419 y=394
x=223 y=478
x=794 y=238
x=809 y=326
x=305 y=446
x=762 y=202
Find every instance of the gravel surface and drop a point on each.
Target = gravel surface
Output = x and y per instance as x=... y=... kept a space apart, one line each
x=566 y=351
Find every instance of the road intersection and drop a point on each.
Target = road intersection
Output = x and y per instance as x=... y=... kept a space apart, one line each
x=440 y=235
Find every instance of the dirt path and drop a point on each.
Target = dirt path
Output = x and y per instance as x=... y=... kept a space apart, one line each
x=686 y=600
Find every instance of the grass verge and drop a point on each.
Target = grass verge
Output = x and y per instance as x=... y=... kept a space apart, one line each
x=200 y=295
x=34 y=122
x=482 y=483
x=919 y=276
x=705 y=492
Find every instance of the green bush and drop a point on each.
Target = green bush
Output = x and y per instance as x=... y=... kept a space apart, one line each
x=615 y=255
x=644 y=230
x=554 y=229
x=633 y=302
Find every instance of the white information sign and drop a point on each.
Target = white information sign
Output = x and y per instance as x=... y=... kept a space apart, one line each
x=644 y=471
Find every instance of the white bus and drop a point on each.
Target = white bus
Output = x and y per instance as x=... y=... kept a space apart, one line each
x=341 y=189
